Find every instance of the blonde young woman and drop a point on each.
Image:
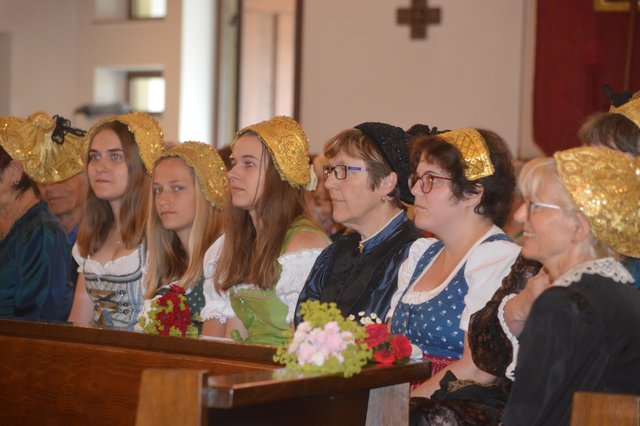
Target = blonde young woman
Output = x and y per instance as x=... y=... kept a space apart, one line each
x=189 y=192
x=110 y=249
x=255 y=271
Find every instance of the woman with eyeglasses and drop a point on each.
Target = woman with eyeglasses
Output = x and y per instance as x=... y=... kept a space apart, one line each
x=367 y=179
x=581 y=330
x=463 y=185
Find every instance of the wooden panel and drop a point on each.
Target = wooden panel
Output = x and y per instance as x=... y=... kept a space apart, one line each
x=70 y=375
x=375 y=396
x=602 y=409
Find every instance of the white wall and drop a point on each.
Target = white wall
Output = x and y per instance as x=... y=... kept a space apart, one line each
x=474 y=69
x=127 y=44
x=43 y=47
x=359 y=65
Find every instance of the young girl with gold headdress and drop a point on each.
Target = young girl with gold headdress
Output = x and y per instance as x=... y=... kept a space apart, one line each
x=189 y=192
x=255 y=271
x=110 y=249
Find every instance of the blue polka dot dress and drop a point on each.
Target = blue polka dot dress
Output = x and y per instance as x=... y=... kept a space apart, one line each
x=434 y=325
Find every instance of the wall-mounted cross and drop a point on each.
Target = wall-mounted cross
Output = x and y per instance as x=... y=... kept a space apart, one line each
x=419 y=15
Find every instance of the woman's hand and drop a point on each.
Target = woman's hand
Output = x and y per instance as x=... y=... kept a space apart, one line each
x=516 y=310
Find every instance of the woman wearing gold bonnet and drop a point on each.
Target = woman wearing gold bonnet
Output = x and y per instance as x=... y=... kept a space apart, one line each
x=34 y=251
x=617 y=129
x=583 y=332
x=110 y=249
x=254 y=272
x=190 y=189
x=463 y=182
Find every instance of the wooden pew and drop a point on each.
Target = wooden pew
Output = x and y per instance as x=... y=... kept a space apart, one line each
x=58 y=374
x=602 y=409
x=377 y=396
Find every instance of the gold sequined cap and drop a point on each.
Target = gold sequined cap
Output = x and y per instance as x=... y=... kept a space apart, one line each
x=289 y=148
x=605 y=185
x=474 y=151
x=146 y=132
x=631 y=109
x=49 y=149
x=208 y=167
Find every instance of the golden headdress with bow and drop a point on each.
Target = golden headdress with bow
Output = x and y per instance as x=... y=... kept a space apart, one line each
x=208 y=167
x=289 y=148
x=146 y=132
x=473 y=148
x=49 y=149
x=605 y=185
x=630 y=109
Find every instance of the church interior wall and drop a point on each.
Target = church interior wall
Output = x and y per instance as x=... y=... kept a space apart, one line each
x=358 y=64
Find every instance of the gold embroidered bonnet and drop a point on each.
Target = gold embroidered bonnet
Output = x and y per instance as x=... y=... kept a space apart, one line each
x=630 y=109
x=471 y=145
x=605 y=185
x=49 y=149
x=208 y=167
x=146 y=132
x=289 y=148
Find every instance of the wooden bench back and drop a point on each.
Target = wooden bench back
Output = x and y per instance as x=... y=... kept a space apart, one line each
x=602 y=409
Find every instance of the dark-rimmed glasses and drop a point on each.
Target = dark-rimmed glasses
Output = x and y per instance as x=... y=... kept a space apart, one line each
x=340 y=171
x=538 y=204
x=426 y=181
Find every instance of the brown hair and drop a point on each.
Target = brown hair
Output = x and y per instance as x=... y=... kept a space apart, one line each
x=98 y=218
x=25 y=183
x=499 y=188
x=612 y=130
x=168 y=261
x=250 y=255
x=355 y=143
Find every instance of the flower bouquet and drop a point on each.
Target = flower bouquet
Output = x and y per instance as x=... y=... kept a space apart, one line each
x=325 y=342
x=387 y=348
x=169 y=315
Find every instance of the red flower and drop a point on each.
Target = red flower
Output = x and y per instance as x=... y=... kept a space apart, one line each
x=377 y=334
x=401 y=346
x=384 y=356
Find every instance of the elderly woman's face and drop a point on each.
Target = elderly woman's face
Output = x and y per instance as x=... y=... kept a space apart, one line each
x=548 y=232
x=353 y=201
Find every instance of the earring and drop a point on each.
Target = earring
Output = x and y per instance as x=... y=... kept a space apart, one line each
x=16 y=182
x=383 y=200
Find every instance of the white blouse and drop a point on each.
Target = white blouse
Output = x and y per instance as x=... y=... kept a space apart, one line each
x=295 y=270
x=486 y=265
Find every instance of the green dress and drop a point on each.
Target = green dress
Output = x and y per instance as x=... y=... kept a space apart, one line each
x=262 y=312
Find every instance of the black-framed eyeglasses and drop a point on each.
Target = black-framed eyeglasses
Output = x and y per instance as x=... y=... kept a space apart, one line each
x=426 y=181
x=532 y=205
x=340 y=171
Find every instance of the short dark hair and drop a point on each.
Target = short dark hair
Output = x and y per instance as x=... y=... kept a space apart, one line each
x=25 y=183
x=612 y=130
x=498 y=188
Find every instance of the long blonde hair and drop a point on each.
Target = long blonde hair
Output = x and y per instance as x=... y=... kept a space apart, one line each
x=98 y=220
x=167 y=259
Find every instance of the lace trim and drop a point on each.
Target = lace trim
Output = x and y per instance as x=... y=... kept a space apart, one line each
x=510 y=370
x=606 y=267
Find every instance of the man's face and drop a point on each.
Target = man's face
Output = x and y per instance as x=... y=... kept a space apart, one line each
x=66 y=196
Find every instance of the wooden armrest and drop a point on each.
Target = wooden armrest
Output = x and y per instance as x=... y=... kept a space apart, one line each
x=601 y=409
